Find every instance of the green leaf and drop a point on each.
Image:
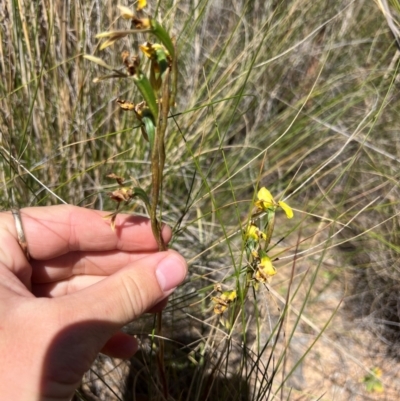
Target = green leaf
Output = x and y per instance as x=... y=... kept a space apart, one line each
x=159 y=31
x=138 y=192
x=144 y=86
x=150 y=129
x=162 y=60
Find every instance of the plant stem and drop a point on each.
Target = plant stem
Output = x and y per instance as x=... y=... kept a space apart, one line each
x=157 y=169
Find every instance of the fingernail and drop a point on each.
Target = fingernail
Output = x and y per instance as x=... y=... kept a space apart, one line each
x=170 y=272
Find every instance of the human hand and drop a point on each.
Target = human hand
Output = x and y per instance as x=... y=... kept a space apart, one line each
x=82 y=284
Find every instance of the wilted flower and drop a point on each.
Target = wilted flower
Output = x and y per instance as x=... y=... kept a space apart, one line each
x=132 y=63
x=123 y=194
x=139 y=23
x=120 y=180
x=125 y=105
x=222 y=302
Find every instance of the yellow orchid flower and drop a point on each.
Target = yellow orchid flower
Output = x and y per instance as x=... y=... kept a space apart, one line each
x=149 y=49
x=266 y=201
x=253 y=232
x=265 y=270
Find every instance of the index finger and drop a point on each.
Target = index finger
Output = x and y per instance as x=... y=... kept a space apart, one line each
x=52 y=231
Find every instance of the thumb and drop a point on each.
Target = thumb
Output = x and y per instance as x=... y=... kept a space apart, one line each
x=125 y=295
x=75 y=327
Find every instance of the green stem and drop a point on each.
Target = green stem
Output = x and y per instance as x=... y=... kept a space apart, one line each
x=160 y=356
x=158 y=160
x=155 y=193
x=164 y=117
x=157 y=169
x=174 y=79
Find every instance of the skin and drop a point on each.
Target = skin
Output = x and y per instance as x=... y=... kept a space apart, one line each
x=68 y=303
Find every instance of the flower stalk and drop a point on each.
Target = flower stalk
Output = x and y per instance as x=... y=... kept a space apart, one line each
x=158 y=92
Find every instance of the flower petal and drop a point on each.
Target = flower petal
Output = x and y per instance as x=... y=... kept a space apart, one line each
x=141 y=4
x=286 y=208
x=147 y=49
x=265 y=196
x=265 y=200
x=266 y=266
x=231 y=296
x=251 y=232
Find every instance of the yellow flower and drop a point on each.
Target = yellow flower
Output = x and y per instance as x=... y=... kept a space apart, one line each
x=141 y=4
x=265 y=270
x=149 y=49
x=252 y=232
x=266 y=201
x=266 y=265
x=230 y=296
x=372 y=381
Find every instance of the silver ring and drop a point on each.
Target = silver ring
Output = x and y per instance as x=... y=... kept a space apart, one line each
x=20 y=232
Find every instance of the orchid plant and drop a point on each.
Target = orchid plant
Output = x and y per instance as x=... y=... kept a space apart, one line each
x=157 y=90
x=256 y=240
